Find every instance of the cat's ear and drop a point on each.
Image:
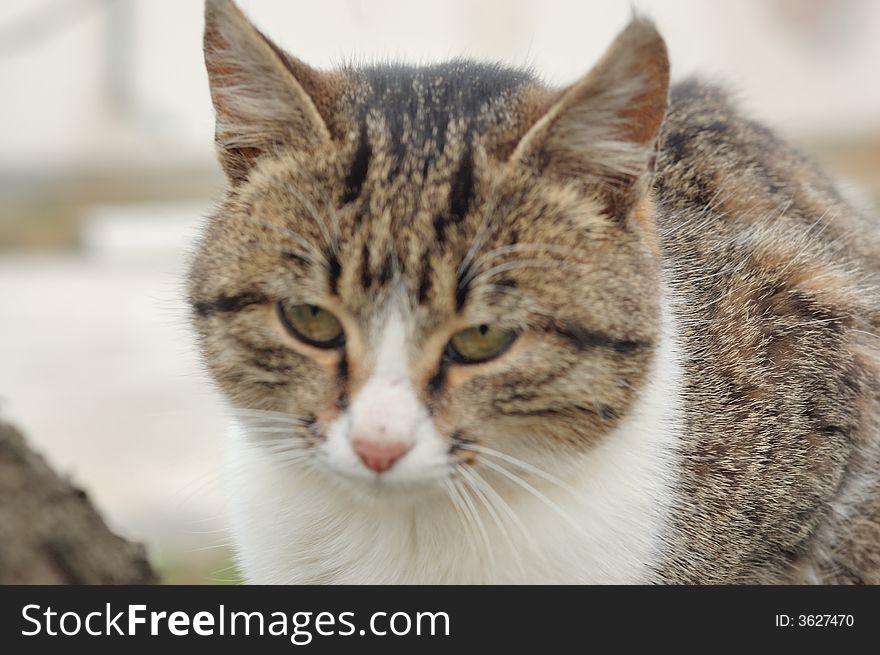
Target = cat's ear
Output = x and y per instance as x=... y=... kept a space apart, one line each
x=263 y=97
x=602 y=130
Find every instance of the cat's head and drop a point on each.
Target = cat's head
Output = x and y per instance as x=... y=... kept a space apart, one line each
x=417 y=270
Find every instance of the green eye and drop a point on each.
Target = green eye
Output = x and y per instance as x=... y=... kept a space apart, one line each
x=478 y=344
x=312 y=325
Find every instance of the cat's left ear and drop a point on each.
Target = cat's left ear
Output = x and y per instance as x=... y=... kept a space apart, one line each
x=263 y=97
x=601 y=132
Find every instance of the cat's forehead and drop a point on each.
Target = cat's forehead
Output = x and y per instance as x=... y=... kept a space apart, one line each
x=420 y=105
x=413 y=181
x=409 y=127
x=414 y=195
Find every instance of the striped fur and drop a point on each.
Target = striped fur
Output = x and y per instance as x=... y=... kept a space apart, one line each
x=692 y=396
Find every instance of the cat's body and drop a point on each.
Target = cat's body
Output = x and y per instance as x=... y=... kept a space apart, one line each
x=688 y=391
x=775 y=277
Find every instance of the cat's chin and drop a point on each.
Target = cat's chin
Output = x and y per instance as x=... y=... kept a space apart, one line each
x=366 y=487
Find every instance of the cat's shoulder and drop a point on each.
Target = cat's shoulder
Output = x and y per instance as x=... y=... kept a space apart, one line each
x=710 y=152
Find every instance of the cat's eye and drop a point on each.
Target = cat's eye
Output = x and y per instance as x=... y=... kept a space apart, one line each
x=479 y=344
x=312 y=325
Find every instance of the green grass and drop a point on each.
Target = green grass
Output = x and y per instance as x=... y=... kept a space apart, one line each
x=217 y=568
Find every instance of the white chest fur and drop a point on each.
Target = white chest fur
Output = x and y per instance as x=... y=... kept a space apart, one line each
x=604 y=526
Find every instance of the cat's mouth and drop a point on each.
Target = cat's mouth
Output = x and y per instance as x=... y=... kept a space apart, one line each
x=304 y=445
x=398 y=488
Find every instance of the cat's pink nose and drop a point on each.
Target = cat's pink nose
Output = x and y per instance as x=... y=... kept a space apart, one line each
x=379 y=456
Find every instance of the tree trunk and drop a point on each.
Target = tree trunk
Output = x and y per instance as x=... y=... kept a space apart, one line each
x=50 y=533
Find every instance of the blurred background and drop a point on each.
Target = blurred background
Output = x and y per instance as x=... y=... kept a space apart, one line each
x=107 y=168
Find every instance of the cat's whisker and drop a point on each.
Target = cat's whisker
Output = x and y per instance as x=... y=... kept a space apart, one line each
x=517 y=480
x=284 y=251
x=277 y=429
x=525 y=301
x=332 y=243
x=308 y=250
x=272 y=438
x=215 y=577
x=473 y=482
x=477 y=521
x=522 y=247
x=455 y=499
x=225 y=544
x=287 y=431
x=258 y=419
x=289 y=457
x=207 y=532
x=508 y=510
x=273 y=422
x=481 y=234
x=866 y=333
x=291 y=437
x=281 y=460
x=263 y=413
x=477 y=278
x=279 y=449
x=515 y=461
x=476 y=538
x=331 y=210
x=284 y=458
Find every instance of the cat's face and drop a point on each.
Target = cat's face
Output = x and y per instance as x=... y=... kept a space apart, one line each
x=419 y=271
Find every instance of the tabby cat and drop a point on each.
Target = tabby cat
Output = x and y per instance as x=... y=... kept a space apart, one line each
x=472 y=329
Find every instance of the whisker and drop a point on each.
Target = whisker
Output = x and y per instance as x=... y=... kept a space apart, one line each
x=525 y=301
x=510 y=459
x=262 y=413
x=475 y=278
x=292 y=437
x=470 y=480
x=505 y=506
x=226 y=543
x=293 y=456
x=273 y=430
x=481 y=233
x=309 y=250
x=316 y=216
x=537 y=494
x=334 y=216
x=478 y=522
x=251 y=417
x=281 y=449
x=455 y=496
x=521 y=247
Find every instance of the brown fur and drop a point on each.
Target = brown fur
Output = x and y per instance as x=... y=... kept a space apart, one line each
x=776 y=278
x=351 y=200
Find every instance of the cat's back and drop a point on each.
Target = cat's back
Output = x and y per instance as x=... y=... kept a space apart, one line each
x=773 y=276
x=736 y=173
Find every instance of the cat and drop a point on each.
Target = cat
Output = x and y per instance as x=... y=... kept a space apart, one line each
x=473 y=329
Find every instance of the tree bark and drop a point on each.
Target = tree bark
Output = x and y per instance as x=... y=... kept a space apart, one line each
x=50 y=533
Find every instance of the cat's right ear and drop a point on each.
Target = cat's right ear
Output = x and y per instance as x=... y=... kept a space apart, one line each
x=263 y=98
